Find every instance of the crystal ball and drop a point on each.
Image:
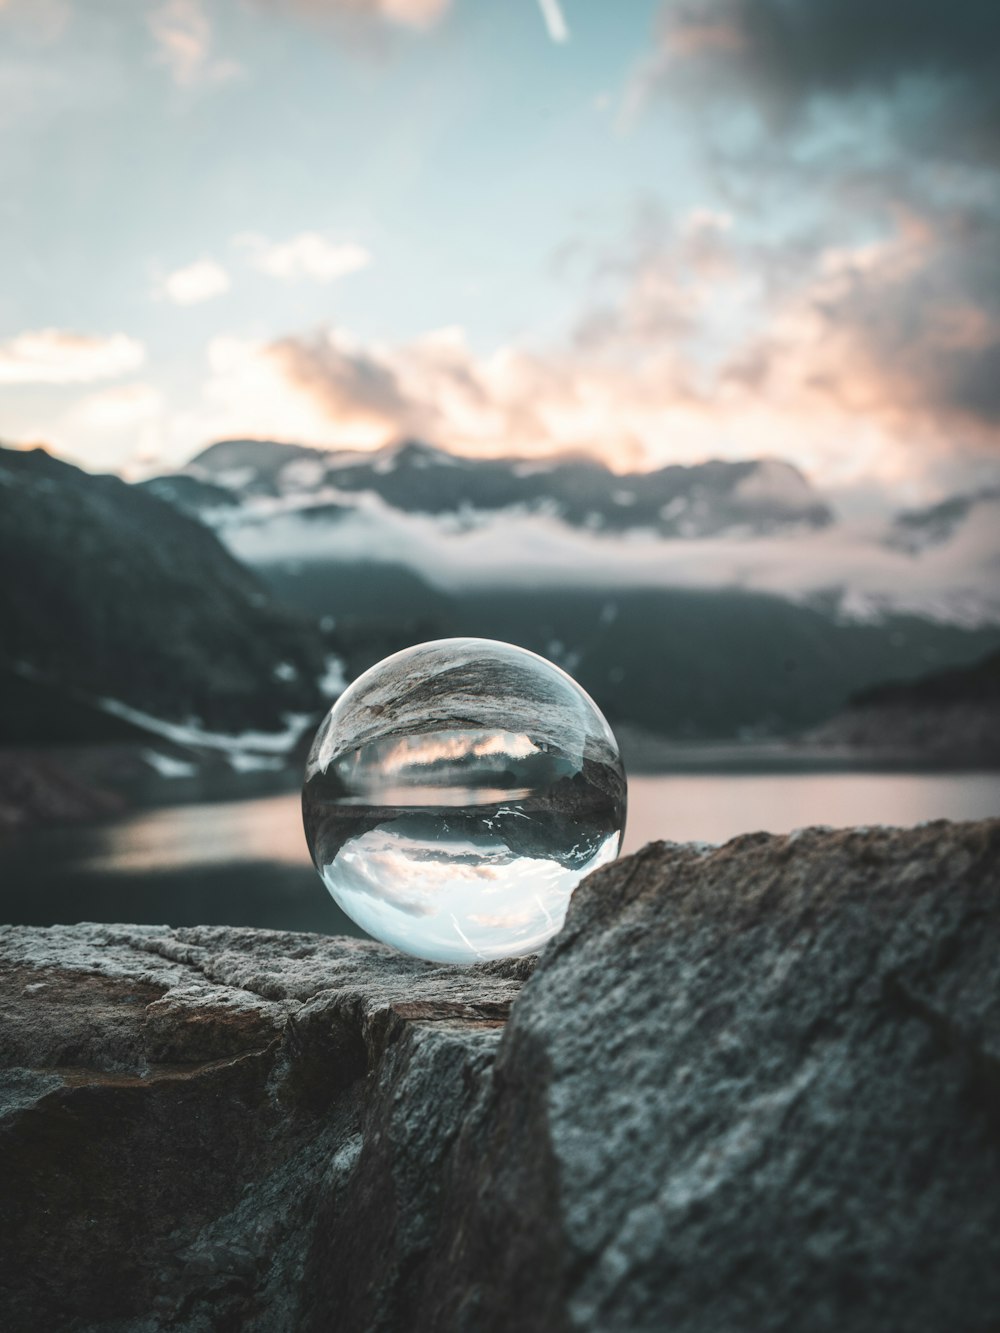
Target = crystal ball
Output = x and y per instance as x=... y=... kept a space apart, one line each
x=456 y=794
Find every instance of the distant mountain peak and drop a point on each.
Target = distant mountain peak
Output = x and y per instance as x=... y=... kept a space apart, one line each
x=915 y=530
x=412 y=476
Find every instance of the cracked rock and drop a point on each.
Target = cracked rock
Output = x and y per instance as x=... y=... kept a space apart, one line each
x=754 y=1087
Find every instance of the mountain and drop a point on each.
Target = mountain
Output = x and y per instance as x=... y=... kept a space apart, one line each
x=914 y=530
x=978 y=683
x=460 y=522
x=702 y=500
x=685 y=663
x=940 y=717
x=121 y=615
x=714 y=663
x=707 y=601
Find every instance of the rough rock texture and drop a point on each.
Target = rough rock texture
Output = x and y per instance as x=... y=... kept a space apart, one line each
x=747 y=1088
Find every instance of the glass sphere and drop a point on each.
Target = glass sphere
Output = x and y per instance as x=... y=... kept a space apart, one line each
x=456 y=794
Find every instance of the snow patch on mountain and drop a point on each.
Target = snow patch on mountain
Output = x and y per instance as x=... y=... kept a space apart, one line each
x=168 y=766
x=191 y=734
x=333 y=681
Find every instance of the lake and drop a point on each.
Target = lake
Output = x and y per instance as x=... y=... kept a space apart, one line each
x=245 y=862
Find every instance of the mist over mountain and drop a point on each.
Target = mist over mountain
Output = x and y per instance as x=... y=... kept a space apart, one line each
x=415 y=478
x=207 y=601
x=461 y=523
x=914 y=530
x=119 y=611
x=710 y=601
x=682 y=662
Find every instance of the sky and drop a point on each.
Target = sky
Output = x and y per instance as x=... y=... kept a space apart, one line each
x=655 y=231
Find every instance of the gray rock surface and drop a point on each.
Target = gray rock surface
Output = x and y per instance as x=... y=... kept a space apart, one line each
x=747 y=1088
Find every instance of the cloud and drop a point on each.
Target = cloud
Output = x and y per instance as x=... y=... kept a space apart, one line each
x=847 y=565
x=419 y=14
x=307 y=255
x=878 y=131
x=194 y=283
x=905 y=329
x=183 y=34
x=55 y=356
x=413 y=13
x=318 y=389
x=874 y=359
x=941 y=62
x=330 y=388
x=44 y=21
x=123 y=408
x=670 y=273
x=349 y=381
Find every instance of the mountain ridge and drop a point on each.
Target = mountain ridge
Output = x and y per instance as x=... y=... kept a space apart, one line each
x=947 y=717
x=113 y=599
x=391 y=547
x=762 y=495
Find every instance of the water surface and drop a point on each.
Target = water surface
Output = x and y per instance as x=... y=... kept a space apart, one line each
x=246 y=863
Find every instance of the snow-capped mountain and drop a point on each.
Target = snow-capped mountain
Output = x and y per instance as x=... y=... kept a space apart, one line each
x=745 y=611
x=459 y=523
x=756 y=497
x=714 y=600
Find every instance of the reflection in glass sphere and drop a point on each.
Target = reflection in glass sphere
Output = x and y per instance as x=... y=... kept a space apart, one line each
x=457 y=793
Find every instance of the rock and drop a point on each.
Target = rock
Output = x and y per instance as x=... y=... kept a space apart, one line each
x=179 y=1108
x=749 y=1087
x=753 y=1087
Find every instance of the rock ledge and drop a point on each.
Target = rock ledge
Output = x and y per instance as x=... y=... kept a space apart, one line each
x=748 y=1087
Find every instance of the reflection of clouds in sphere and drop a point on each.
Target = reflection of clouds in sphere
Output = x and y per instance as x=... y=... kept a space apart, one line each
x=457 y=793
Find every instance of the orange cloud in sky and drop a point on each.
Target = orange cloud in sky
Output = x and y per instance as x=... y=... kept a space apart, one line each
x=862 y=361
x=883 y=334
x=512 y=403
x=695 y=38
x=56 y=356
x=695 y=356
x=419 y=14
x=857 y=362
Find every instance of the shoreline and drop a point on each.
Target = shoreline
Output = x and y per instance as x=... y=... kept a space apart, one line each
x=62 y=785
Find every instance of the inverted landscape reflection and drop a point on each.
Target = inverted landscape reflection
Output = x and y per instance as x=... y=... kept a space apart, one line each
x=245 y=863
x=446 y=833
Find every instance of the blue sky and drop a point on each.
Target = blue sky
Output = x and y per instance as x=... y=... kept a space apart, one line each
x=665 y=238
x=461 y=158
